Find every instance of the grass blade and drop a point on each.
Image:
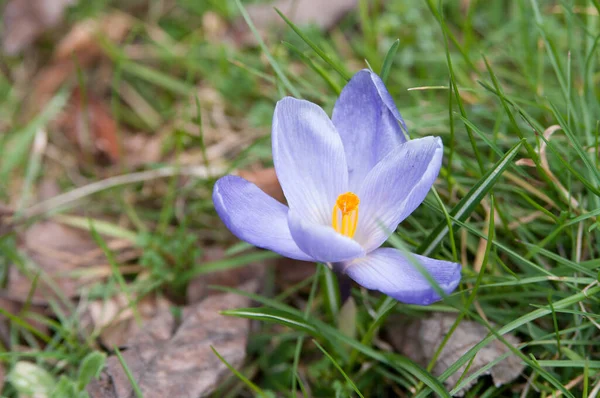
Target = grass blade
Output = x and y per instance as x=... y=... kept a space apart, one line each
x=278 y=71
x=454 y=86
x=522 y=320
x=389 y=60
x=325 y=331
x=337 y=67
x=338 y=367
x=320 y=71
x=466 y=206
x=240 y=376
x=132 y=381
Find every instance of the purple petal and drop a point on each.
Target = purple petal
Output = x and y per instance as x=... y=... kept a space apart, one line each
x=321 y=242
x=367 y=120
x=392 y=272
x=309 y=159
x=395 y=188
x=255 y=217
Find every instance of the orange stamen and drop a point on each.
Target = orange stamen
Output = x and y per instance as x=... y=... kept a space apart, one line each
x=347 y=204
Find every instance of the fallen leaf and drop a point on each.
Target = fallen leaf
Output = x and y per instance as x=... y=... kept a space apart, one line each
x=25 y=20
x=419 y=340
x=46 y=83
x=114 y=319
x=89 y=124
x=142 y=149
x=171 y=360
x=265 y=179
x=324 y=14
x=82 y=39
x=56 y=250
x=80 y=44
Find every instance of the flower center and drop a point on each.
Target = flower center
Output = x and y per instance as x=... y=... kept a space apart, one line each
x=345 y=206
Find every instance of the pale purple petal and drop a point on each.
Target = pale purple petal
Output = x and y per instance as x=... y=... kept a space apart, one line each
x=255 y=217
x=395 y=188
x=392 y=272
x=368 y=122
x=321 y=242
x=309 y=159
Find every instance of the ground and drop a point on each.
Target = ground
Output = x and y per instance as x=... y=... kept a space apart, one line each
x=117 y=117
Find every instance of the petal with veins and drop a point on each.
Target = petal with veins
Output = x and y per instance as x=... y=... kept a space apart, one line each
x=393 y=272
x=255 y=217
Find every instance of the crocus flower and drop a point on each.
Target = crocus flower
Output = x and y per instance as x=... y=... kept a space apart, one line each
x=348 y=181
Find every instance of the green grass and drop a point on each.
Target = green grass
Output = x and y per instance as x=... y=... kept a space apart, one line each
x=489 y=77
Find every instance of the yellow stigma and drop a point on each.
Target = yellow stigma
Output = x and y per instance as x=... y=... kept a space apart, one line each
x=347 y=205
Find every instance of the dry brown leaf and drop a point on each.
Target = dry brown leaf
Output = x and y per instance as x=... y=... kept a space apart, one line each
x=324 y=14
x=89 y=124
x=419 y=339
x=265 y=179
x=25 y=20
x=54 y=248
x=170 y=360
x=141 y=149
x=82 y=39
x=114 y=319
x=57 y=249
x=47 y=81
x=81 y=43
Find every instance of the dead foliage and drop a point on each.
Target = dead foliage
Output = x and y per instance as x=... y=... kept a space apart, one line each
x=168 y=354
x=25 y=20
x=89 y=124
x=53 y=252
x=80 y=48
x=114 y=320
x=173 y=358
x=57 y=250
x=419 y=340
x=141 y=149
x=323 y=14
